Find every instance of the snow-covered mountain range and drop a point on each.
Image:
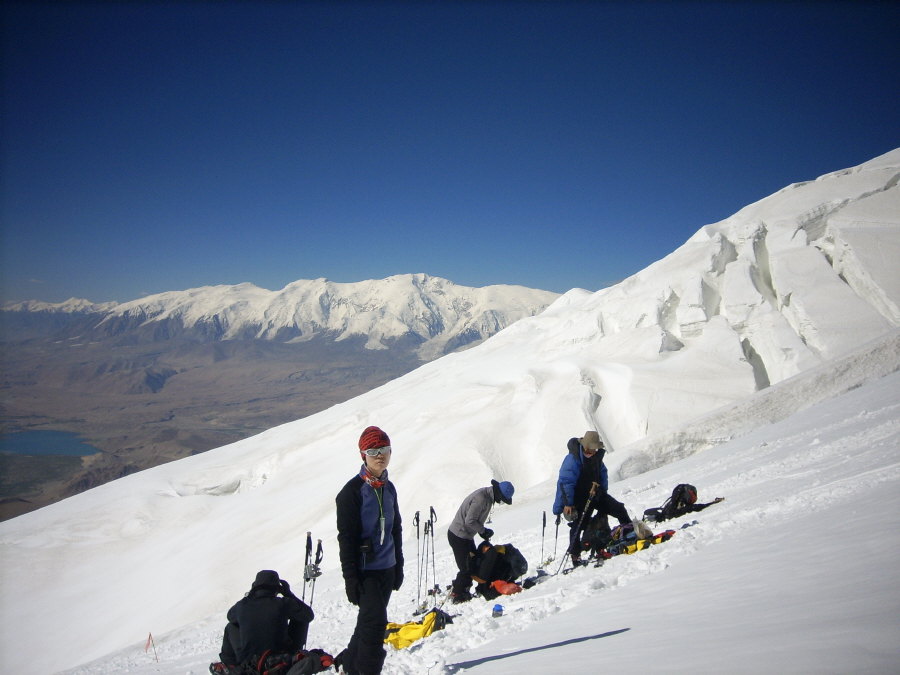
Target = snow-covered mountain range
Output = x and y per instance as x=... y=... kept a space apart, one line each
x=70 y=306
x=435 y=313
x=788 y=304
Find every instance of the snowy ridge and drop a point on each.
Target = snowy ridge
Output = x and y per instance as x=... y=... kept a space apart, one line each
x=870 y=362
x=744 y=304
x=747 y=303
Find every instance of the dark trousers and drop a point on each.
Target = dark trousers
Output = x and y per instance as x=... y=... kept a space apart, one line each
x=602 y=505
x=231 y=643
x=365 y=653
x=463 y=550
x=297 y=634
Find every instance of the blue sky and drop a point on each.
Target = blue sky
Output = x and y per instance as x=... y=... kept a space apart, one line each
x=161 y=146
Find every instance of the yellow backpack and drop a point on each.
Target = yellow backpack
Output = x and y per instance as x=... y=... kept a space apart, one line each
x=402 y=635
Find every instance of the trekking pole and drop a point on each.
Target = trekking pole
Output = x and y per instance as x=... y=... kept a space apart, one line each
x=418 y=561
x=425 y=558
x=543 y=529
x=306 y=562
x=433 y=518
x=316 y=571
x=556 y=538
x=426 y=544
x=573 y=535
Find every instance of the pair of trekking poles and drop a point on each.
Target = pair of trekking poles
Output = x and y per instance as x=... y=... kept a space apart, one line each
x=573 y=535
x=546 y=561
x=424 y=548
x=312 y=564
x=311 y=567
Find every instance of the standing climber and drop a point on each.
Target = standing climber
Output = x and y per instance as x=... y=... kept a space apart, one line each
x=582 y=467
x=371 y=553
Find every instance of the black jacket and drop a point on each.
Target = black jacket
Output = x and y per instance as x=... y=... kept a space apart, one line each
x=266 y=621
x=359 y=507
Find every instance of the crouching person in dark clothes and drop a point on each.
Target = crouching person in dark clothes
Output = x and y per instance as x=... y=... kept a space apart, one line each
x=496 y=569
x=369 y=539
x=262 y=621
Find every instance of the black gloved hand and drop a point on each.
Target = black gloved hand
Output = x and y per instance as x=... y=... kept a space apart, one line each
x=286 y=588
x=487 y=534
x=398 y=577
x=351 y=585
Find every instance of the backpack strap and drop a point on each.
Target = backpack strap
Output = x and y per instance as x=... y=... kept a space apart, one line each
x=654 y=514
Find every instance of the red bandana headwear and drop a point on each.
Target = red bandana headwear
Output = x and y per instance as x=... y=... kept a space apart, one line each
x=373 y=437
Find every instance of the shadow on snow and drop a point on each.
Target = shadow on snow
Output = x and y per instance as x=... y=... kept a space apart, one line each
x=456 y=667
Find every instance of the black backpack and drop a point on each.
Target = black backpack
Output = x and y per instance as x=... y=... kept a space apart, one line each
x=277 y=663
x=597 y=534
x=516 y=561
x=683 y=496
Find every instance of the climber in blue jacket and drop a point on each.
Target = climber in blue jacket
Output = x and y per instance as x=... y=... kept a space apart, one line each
x=582 y=467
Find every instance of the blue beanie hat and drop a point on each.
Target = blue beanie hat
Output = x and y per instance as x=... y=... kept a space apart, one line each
x=505 y=489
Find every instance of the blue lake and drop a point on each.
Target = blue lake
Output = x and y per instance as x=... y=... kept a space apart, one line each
x=40 y=442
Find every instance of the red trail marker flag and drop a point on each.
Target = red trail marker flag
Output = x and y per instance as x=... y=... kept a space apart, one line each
x=151 y=643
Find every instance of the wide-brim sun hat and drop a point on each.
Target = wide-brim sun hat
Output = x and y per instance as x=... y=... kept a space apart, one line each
x=591 y=441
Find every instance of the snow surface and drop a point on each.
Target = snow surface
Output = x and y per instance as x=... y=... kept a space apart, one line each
x=791 y=574
x=758 y=362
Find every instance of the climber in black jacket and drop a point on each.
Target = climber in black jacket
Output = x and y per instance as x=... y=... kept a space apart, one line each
x=262 y=621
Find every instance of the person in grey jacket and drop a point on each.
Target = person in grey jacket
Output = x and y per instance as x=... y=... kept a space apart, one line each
x=468 y=522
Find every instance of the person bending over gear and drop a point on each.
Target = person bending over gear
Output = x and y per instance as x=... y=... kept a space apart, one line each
x=582 y=467
x=371 y=552
x=262 y=621
x=496 y=569
x=469 y=521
